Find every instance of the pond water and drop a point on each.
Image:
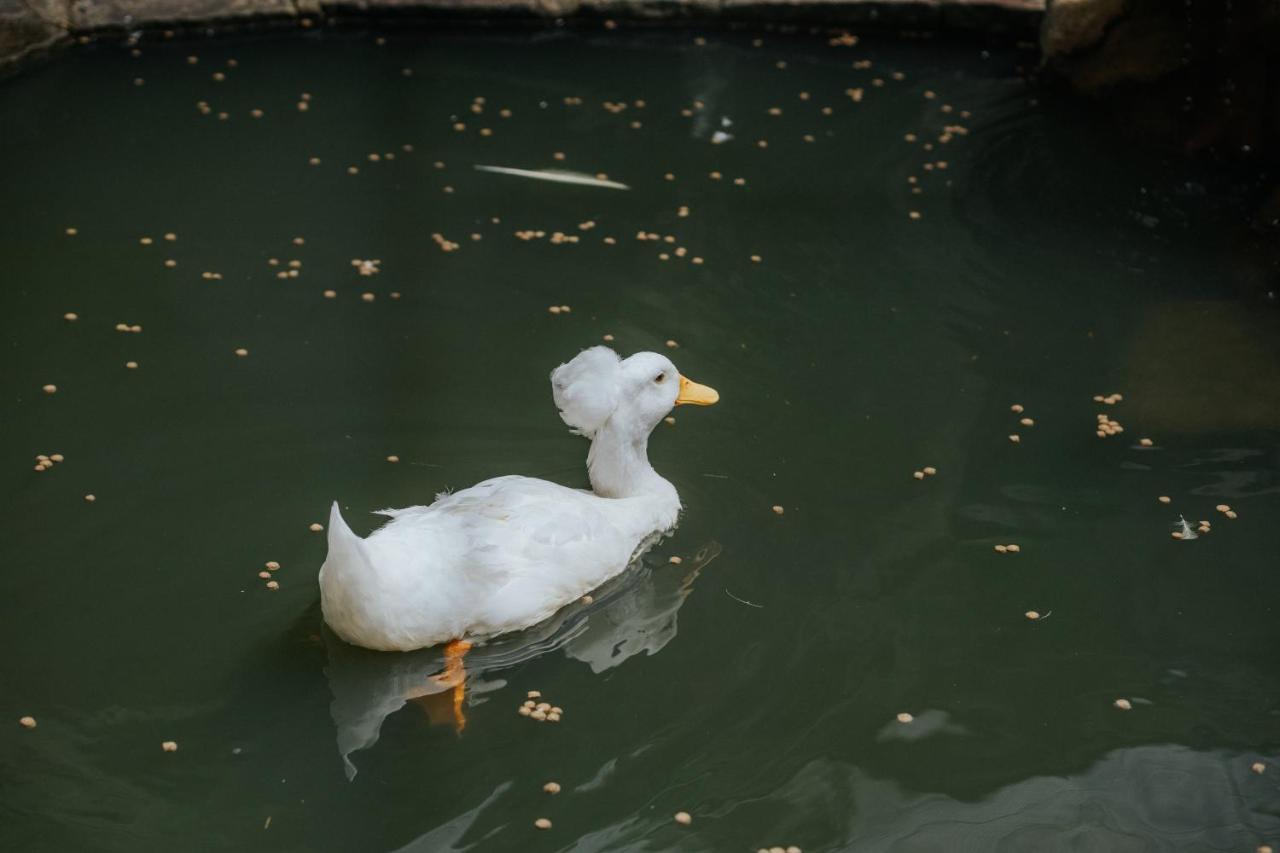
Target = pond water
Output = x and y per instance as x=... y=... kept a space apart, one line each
x=757 y=685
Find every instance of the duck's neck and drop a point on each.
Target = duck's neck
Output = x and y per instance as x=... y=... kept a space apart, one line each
x=619 y=464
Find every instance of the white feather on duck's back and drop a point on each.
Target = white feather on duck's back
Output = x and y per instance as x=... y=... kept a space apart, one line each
x=507 y=553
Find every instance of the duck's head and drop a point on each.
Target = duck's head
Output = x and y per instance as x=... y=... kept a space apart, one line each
x=597 y=386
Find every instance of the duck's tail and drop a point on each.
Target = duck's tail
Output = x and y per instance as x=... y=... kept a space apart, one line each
x=346 y=549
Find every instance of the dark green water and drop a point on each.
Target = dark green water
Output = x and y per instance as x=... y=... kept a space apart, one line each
x=1049 y=265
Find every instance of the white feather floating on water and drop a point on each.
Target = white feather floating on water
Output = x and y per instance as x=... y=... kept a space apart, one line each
x=558 y=176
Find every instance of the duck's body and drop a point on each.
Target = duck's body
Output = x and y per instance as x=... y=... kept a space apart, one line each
x=507 y=553
x=500 y=556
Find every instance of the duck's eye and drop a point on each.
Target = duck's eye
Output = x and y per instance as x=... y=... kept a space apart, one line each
x=659 y=378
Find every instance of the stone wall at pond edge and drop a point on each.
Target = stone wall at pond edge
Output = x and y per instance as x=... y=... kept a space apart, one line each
x=29 y=26
x=1190 y=74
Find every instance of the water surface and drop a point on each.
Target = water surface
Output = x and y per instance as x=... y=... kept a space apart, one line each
x=756 y=684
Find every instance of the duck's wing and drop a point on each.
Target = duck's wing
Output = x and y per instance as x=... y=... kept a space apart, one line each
x=540 y=545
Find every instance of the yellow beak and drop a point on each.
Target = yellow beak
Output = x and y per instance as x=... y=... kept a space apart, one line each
x=691 y=393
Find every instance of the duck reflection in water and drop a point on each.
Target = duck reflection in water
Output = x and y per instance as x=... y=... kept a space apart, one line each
x=635 y=612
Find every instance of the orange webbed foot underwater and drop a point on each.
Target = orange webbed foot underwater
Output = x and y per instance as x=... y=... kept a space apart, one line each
x=445 y=708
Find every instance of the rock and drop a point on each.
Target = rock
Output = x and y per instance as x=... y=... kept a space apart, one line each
x=28 y=26
x=87 y=15
x=1097 y=45
x=1071 y=26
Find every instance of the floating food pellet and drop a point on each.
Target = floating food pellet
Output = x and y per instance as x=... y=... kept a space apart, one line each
x=551 y=787
x=169 y=746
x=554 y=309
x=553 y=717
x=1231 y=513
x=1026 y=422
x=930 y=470
x=1257 y=767
x=683 y=818
x=367 y=297
x=1001 y=548
x=1145 y=442
x=1164 y=499
x=675 y=561
x=27 y=722
x=90 y=498
x=1222 y=508
x=904 y=717
x=132 y=365
x=672 y=345
x=170 y=263
x=1033 y=615
x=1177 y=534
x=607 y=338
x=71 y=232
x=1013 y=549
x=316 y=527
x=542 y=823
x=777 y=510
x=587 y=599
x=330 y=294
x=49 y=389
x=1016 y=408
x=273 y=585
x=919 y=475
x=71 y=316
x=1123 y=704
x=669 y=421
x=265 y=575
x=1015 y=438
x=393 y=458
x=272 y=565
x=242 y=352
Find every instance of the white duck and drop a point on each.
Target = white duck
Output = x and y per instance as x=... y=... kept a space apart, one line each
x=504 y=555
